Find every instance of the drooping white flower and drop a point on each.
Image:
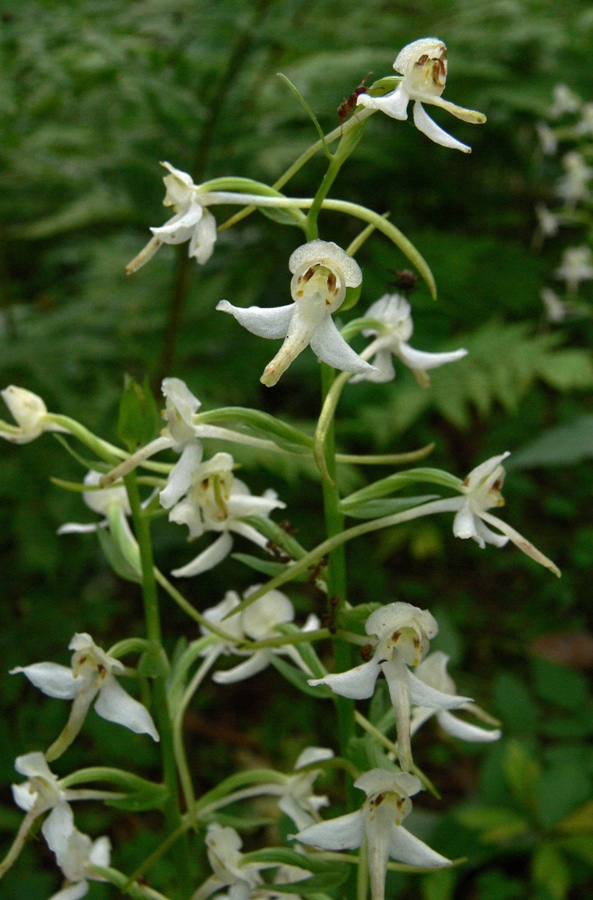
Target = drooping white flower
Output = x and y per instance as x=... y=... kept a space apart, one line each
x=192 y=221
x=43 y=792
x=433 y=672
x=548 y=222
x=297 y=800
x=577 y=266
x=91 y=678
x=75 y=852
x=30 y=414
x=394 y=312
x=321 y=273
x=403 y=632
x=217 y=501
x=229 y=867
x=378 y=824
x=423 y=65
x=481 y=491
x=547 y=138
x=258 y=622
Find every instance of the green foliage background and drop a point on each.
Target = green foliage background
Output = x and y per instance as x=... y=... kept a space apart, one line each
x=93 y=93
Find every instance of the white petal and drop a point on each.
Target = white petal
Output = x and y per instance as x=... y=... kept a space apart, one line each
x=356 y=684
x=394 y=104
x=464 y=524
x=329 y=345
x=465 y=731
x=425 y=124
x=181 y=476
x=34 y=765
x=249 y=532
x=181 y=227
x=51 y=678
x=116 y=705
x=256 y=663
x=209 y=558
x=260 y=619
x=343 y=833
x=406 y=848
x=423 y=695
x=267 y=323
x=58 y=828
x=486 y=534
x=311 y=755
x=417 y=359
x=72 y=892
x=309 y=314
x=24 y=796
x=78 y=528
x=203 y=239
x=383 y=366
x=100 y=854
x=326 y=253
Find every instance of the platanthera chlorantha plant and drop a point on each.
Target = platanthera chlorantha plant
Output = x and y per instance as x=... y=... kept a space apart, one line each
x=179 y=477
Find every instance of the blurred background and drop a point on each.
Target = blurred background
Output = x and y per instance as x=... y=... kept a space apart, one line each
x=93 y=94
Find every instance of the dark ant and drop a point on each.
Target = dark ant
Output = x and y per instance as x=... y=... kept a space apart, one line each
x=315 y=573
x=278 y=553
x=346 y=106
x=328 y=620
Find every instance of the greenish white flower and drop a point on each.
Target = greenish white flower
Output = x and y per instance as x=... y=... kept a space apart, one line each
x=192 y=221
x=90 y=679
x=433 y=672
x=217 y=501
x=403 y=635
x=423 y=65
x=394 y=313
x=321 y=273
x=75 y=852
x=378 y=825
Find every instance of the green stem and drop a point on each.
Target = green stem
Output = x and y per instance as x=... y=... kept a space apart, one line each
x=161 y=706
x=336 y=572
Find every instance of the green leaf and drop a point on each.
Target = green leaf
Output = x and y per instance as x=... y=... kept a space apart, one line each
x=578 y=822
x=521 y=772
x=560 y=789
x=375 y=509
x=288 y=216
x=580 y=846
x=550 y=872
x=154 y=663
x=265 y=567
x=355 y=619
x=298 y=678
x=564 y=445
x=559 y=685
x=495 y=824
x=139 y=418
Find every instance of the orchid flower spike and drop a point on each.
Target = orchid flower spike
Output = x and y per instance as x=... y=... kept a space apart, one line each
x=321 y=273
x=423 y=65
x=394 y=313
x=433 y=672
x=403 y=635
x=257 y=621
x=378 y=825
x=30 y=414
x=91 y=678
x=192 y=222
x=217 y=501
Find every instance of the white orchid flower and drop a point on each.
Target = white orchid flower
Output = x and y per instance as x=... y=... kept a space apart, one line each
x=257 y=621
x=404 y=632
x=577 y=266
x=30 y=414
x=91 y=678
x=192 y=221
x=75 y=852
x=297 y=800
x=217 y=501
x=378 y=824
x=229 y=867
x=565 y=101
x=394 y=312
x=433 y=672
x=321 y=273
x=481 y=491
x=43 y=792
x=423 y=65
x=107 y=502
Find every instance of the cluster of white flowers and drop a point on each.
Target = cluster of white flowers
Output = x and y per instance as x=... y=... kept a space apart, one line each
x=570 y=128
